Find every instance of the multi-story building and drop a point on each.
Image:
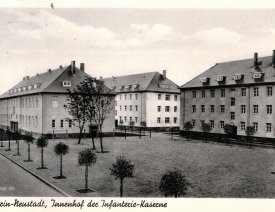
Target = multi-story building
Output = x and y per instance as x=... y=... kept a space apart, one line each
x=148 y=97
x=36 y=104
x=239 y=93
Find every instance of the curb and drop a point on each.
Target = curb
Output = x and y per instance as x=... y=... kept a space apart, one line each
x=38 y=177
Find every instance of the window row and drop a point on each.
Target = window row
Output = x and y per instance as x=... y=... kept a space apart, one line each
x=126 y=119
x=167 y=97
x=130 y=96
x=167 y=120
x=130 y=108
x=29 y=121
x=167 y=109
x=61 y=123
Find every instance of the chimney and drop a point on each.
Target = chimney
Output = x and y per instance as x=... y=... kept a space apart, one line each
x=27 y=77
x=255 y=59
x=50 y=70
x=100 y=78
x=164 y=74
x=60 y=67
x=73 y=67
x=273 y=58
x=82 y=66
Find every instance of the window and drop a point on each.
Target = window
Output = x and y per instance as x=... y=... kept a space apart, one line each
x=193 y=121
x=70 y=122
x=175 y=120
x=136 y=108
x=36 y=102
x=130 y=96
x=269 y=109
x=232 y=115
x=130 y=107
x=120 y=97
x=125 y=107
x=53 y=123
x=194 y=94
x=255 y=91
x=268 y=127
x=222 y=92
x=269 y=91
x=167 y=97
x=212 y=108
x=222 y=107
x=242 y=125
x=125 y=119
x=175 y=97
x=202 y=122
x=232 y=90
x=212 y=93
x=55 y=101
x=255 y=109
x=202 y=108
x=243 y=91
x=193 y=108
x=158 y=120
x=67 y=83
x=120 y=108
x=232 y=101
x=136 y=119
x=125 y=96
x=130 y=118
x=175 y=109
x=212 y=124
x=255 y=126
x=61 y=123
x=159 y=96
x=203 y=94
x=222 y=124
x=167 y=108
x=159 y=108
x=243 y=109
x=136 y=96
x=115 y=103
x=167 y=120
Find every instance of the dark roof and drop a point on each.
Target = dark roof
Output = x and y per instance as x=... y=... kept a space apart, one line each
x=150 y=81
x=245 y=68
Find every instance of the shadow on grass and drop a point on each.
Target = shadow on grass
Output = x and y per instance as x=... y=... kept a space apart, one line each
x=59 y=177
x=42 y=168
x=27 y=160
x=82 y=191
x=17 y=155
x=102 y=151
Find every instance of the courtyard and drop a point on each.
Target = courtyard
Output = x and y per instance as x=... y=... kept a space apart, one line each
x=212 y=169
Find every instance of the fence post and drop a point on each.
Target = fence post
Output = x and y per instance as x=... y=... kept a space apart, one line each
x=140 y=132
x=67 y=136
x=53 y=135
x=150 y=132
x=113 y=133
x=125 y=132
x=171 y=130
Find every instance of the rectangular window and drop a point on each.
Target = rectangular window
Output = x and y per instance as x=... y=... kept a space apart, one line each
x=175 y=109
x=159 y=108
x=130 y=107
x=269 y=91
x=232 y=115
x=232 y=101
x=269 y=109
x=125 y=96
x=194 y=94
x=130 y=118
x=136 y=119
x=167 y=108
x=61 y=123
x=175 y=120
x=120 y=97
x=255 y=91
x=202 y=108
x=203 y=94
x=159 y=96
x=222 y=124
x=53 y=123
x=222 y=92
x=222 y=107
x=242 y=125
x=125 y=107
x=36 y=102
x=120 y=108
x=193 y=108
x=212 y=93
x=268 y=127
x=212 y=108
x=54 y=101
x=193 y=121
x=136 y=108
x=167 y=120
x=125 y=119
x=243 y=91
x=136 y=96
x=212 y=124
x=255 y=126
x=158 y=120
x=232 y=90
x=255 y=109
x=70 y=122
x=202 y=122
x=243 y=109
x=115 y=103
x=175 y=97
x=167 y=97
x=130 y=96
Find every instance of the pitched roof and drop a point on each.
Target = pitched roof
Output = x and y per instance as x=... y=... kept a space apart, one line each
x=150 y=81
x=244 y=68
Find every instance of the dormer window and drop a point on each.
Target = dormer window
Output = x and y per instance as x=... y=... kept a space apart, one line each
x=136 y=86
x=19 y=89
x=121 y=87
x=35 y=86
x=29 y=87
x=24 y=88
x=166 y=86
x=220 y=78
x=67 y=83
x=127 y=86
x=237 y=77
x=204 y=80
x=258 y=75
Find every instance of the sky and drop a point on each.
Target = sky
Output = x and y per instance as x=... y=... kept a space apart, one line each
x=121 y=41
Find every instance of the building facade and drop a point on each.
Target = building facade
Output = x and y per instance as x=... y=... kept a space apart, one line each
x=239 y=93
x=36 y=104
x=147 y=97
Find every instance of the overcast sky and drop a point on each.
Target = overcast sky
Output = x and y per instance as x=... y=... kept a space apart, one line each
x=113 y=42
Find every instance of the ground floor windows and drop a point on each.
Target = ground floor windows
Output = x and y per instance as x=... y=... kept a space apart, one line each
x=268 y=127
x=232 y=115
x=212 y=124
x=222 y=124
x=53 y=123
x=242 y=125
x=61 y=123
x=167 y=120
x=158 y=120
x=255 y=126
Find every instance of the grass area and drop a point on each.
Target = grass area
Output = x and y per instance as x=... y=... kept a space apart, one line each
x=213 y=169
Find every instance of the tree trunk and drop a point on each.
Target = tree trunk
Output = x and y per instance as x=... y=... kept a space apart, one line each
x=18 y=153
x=101 y=144
x=80 y=135
x=121 y=187
x=29 y=152
x=61 y=166
x=86 y=178
x=42 y=161
x=93 y=140
x=9 y=144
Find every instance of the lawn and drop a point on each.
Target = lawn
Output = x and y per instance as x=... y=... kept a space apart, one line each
x=213 y=169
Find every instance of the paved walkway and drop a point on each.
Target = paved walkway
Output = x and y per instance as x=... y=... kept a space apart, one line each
x=14 y=181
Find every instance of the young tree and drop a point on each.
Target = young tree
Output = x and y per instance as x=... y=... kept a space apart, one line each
x=17 y=136
x=206 y=128
x=143 y=124
x=2 y=134
x=250 y=131
x=188 y=126
x=77 y=109
x=29 y=140
x=61 y=149
x=86 y=158
x=132 y=123
x=122 y=169
x=121 y=124
x=173 y=183
x=42 y=143
x=9 y=134
x=97 y=100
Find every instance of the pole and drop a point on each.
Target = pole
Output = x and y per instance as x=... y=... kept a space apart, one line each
x=113 y=133
x=53 y=135
x=84 y=134
x=150 y=133
x=140 y=133
x=125 y=132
